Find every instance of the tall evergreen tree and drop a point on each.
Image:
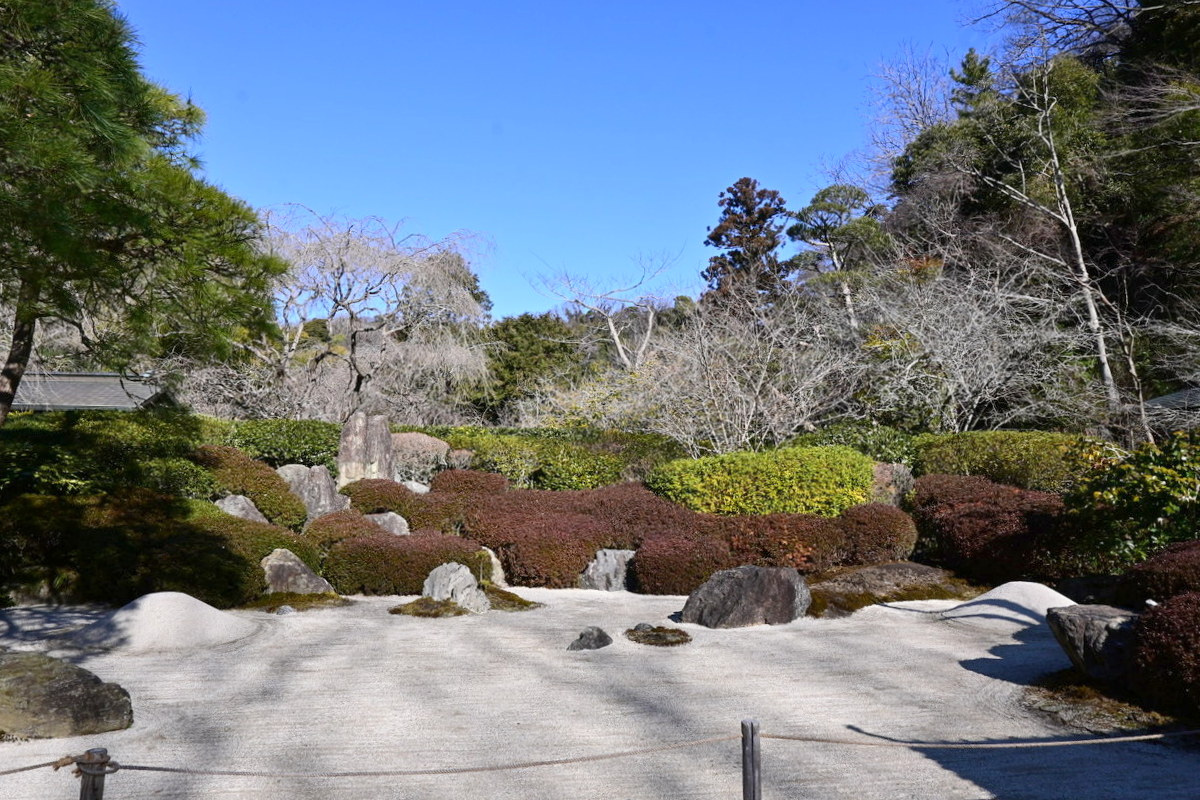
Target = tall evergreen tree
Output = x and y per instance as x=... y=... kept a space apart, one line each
x=104 y=223
x=750 y=233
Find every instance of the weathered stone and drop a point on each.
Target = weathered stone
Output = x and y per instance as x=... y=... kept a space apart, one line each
x=417 y=456
x=498 y=576
x=734 y=598
x=391 y=522
x=891 y=483
x=285 y=572
x=607 y=572
x=365 y=450
x=45 y=697
x=591 y=638
x=241 y=506
x=459 y=459
x=856 y=587
x=284 y=610
x=416 y=487
x=315 y=487
x=643 y=627
x=456 y=583
x=1096 y=638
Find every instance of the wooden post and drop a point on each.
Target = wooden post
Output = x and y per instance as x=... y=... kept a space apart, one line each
x=93 y=767
x=751 y=761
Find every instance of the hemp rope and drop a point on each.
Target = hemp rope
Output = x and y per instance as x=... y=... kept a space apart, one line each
x=113 y=766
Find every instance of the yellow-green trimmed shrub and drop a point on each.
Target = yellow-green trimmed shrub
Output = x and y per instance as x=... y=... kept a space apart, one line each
x=799 y=480
x=1048 y=462
x=237 y=473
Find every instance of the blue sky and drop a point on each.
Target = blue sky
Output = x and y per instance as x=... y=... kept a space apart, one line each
x=575 y=136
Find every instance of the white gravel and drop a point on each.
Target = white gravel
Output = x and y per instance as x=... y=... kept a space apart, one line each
x=354 y=688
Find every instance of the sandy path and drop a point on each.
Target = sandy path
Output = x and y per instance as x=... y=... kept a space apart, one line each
x=358 y=689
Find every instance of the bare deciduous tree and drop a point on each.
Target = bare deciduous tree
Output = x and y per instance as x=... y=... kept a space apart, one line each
x=369 y=320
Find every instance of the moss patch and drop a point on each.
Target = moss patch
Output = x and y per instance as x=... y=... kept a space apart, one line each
x=507 y=601
x=301 y=602
x=428 y=607
x=1079 y=703
x=659 y=636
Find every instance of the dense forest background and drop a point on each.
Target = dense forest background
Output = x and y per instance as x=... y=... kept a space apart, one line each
x=1021 y=249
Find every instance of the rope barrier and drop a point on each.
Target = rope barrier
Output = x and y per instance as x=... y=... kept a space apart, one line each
x=417 y=772
x=979 y=745
x=65 y=761
x=114 y=766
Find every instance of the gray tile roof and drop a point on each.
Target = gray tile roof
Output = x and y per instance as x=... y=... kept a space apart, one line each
x=58 y=391
x=1183 y=400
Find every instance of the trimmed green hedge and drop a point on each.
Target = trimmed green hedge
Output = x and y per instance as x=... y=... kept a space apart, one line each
x=93 y=452
x=798 y=480
x=880 y=442
x=1048 y=462
x=115 y=548
x=237 y=473
x=309 y=442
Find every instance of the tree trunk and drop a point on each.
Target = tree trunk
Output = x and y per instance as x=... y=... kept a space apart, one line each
x=24 y=323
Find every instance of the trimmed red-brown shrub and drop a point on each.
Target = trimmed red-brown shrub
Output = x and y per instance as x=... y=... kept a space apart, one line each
x=678 y=563
x=805 y=542
x=377 y=495
x=1174 y=571
x=1164 y=666
x=386 y=564
x=469 y=481
x=634 y=513
x=237 y=473
x=989 y=532
x=875 y=533
x=326 y=531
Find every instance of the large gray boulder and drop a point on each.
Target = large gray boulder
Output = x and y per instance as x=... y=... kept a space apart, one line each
x=365 y=450
x=455 y=582
x=285 y=572
x=241 y=506
x=1096 y=638
x=391 y=522
x=43 y=697
x=607 y=572
x=315 y=487
x=735 y=598
x=417 y=456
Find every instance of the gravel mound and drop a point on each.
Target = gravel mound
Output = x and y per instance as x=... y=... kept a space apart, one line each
x=163 y=621
x=1019 y=602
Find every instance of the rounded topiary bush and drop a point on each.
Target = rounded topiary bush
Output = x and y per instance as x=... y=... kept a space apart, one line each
x=678 y=563
x=468 y=481
x=383 y=564
x=326 y=531
x=875 y=533
x=377 y=495
x=1051 y=462
x=1174 y=571
x=566 y=466
x=986 y=531
x=798 y=480
x=237 y=473
x=802 y=541
x=1164 y=665
x=277 y=442
x=633 y=513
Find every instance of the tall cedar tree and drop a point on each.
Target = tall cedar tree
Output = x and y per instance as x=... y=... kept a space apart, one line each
x=104 y=224
x=750 y=232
